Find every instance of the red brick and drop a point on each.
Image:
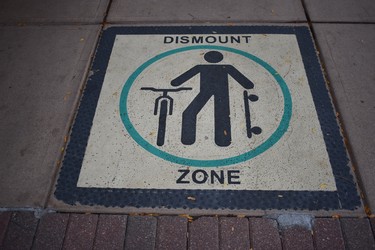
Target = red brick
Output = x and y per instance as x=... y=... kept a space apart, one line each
x=357 y=233
x=110 y=233
x=171 y=233
x=51 y=231
x=327 y=234
x=140 y=232
x=264 y=234
x=4 y=221
x=204 y=233
x=80 y=233
x=296 y=237
x=21 y=231
x=234 y=233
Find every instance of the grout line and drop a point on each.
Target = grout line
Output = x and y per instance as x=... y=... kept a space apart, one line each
x=44 y=24
x=203 y=22
x=187 y=234
x=179 y=22
x=126 y=231
x=306 y=14
x=96 y=230
x=126 y=227
x=219 y=233
x=106 y=13
x=35 y=232
x=156 y=232
x=188 y=227
x=313 y=235
x=176 y=23
x=250 y=233
x=7 y=228
x=343 y=234
x=66 y=231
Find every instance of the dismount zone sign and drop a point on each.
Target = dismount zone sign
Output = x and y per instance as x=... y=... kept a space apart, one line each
x=207 y=117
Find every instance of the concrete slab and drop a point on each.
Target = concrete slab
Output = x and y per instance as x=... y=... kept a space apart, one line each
x=349 y=56
x=288 y=154
x=38 y=11
x=205 y=11
x=341 y=10
x=42 y=69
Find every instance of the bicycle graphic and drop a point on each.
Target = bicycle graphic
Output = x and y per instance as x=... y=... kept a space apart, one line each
x=161 y=105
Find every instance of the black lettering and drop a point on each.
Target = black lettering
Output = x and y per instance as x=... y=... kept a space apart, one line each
x=168 y=39
x=195 y=179
x=235 y=39
x=247 y=38
x=181 y=180
x=198 y=39
x=184 y=39
x=223 y=41
x=231 y=176
x=219 y=178
x=210 y=39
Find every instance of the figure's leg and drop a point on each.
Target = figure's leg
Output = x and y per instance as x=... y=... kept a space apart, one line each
x=189 y=118
x=223 y=135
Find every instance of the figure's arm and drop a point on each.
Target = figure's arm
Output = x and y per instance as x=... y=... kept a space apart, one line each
x=185 y=76
x=240 y=78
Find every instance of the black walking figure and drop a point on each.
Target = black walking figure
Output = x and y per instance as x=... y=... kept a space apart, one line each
x=213 y=82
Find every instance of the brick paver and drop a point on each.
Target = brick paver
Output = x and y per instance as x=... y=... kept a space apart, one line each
x=140 y=233
x=110 y=233
x=51 y=231
x=171 y=233
x=357 y=234
x=4 y=221
x=80 y=233
x=327 y=234
x=234 y=233
x=295 y=238
x=21 y=231
x=264 y=234
x=204 y=234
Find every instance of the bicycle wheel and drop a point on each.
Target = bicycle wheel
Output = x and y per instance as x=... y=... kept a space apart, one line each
x=162 y=122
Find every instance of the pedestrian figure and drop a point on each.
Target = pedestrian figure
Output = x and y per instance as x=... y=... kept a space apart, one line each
x=213 y=82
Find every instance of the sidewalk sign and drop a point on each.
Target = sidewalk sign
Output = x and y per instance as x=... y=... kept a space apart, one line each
x=237 y=117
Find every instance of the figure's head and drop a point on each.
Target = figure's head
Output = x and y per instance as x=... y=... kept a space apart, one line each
x=213 y=56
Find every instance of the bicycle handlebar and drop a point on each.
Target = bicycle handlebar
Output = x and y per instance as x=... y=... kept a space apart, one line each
x=165 y=90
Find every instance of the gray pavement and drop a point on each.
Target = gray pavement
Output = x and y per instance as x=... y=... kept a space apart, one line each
x=44 y=67
x=348 y=55
x=170 y=11
x=340 y=11
x=42 y=71
x=47 y=11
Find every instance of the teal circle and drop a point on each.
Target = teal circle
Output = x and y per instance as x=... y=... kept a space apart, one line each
x=272 y=140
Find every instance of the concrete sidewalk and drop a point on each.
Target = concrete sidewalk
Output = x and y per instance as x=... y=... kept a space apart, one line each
x=46 y=49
